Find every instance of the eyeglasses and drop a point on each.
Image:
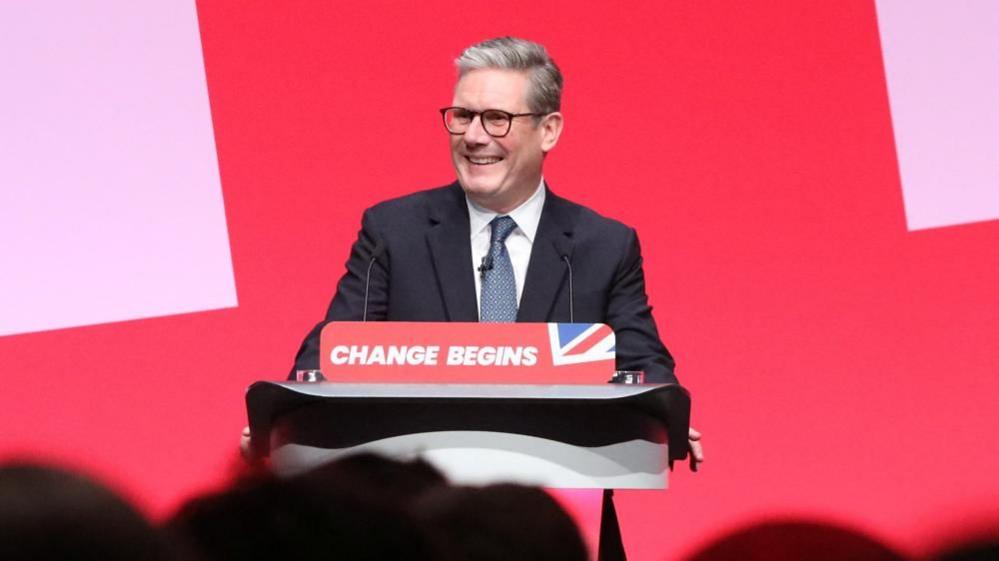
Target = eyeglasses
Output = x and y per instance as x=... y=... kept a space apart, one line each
x=496 y=123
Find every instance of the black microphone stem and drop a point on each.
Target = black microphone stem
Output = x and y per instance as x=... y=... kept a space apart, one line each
x=569 y=265
x=367 y=285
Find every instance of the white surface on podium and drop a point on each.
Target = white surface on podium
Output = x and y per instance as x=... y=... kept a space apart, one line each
x=481 y=457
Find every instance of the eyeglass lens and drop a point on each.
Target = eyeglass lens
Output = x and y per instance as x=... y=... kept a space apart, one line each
x=495 y=122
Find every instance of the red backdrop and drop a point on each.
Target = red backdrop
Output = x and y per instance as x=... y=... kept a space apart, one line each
x=840 y=365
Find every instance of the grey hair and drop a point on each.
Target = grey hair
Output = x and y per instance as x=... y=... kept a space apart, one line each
x=511 y=53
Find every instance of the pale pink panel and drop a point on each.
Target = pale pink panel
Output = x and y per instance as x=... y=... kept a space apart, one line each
x=110 y=202
x=942 y=65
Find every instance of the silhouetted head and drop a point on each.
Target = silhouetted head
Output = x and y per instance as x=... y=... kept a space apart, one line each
x=303 y=518
x=49 y=513
x=796 y=540
x=388 y=480
x=500 y=523
x=981 y=547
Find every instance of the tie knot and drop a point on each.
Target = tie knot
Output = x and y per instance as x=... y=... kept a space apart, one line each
x=502 y=226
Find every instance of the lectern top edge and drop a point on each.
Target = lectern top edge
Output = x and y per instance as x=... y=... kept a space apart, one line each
x=560 y=392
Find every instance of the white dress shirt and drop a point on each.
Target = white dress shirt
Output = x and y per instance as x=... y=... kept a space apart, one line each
x=518 y=243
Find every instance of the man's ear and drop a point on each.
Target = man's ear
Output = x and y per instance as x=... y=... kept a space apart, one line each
x=551 y=129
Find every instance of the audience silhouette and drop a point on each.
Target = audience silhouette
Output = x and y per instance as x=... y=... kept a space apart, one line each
x=48 y=513
x=367 y=508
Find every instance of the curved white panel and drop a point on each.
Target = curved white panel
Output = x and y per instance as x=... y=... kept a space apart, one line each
x=480 y=457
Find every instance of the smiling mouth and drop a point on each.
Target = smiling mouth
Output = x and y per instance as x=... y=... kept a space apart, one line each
x=483 y=160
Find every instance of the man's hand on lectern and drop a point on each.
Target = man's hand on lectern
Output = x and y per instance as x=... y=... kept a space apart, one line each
x=244 y=444
x=696 y=450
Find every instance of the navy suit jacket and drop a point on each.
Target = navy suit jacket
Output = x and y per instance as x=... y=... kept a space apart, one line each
x=423 y=272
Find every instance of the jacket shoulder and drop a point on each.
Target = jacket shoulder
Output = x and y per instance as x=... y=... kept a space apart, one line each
x=591 y=223
x=415 y=205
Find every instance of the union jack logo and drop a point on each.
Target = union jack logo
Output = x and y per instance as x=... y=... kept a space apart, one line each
x=573 y=343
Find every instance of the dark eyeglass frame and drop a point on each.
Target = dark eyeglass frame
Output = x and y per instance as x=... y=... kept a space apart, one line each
x=509 y=119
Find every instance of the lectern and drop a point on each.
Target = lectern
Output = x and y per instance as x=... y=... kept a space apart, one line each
x=609 y=436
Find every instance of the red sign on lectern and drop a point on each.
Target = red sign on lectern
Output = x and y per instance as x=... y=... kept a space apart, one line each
x=527 y=353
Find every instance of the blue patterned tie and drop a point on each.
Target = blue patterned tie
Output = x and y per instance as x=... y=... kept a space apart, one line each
x=499 y=289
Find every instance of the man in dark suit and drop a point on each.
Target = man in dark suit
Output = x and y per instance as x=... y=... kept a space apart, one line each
x=423 y=271
x=498 y=245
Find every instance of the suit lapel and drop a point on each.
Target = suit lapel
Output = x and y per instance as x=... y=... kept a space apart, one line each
x=448 y=239
x=546 y=271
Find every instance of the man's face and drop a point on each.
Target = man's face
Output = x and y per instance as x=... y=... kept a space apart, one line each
x=500 y=173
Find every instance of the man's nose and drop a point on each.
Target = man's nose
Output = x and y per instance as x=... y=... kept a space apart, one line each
x=476 y=133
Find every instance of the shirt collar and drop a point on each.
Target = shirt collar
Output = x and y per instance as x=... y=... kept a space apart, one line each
x=527 y=215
